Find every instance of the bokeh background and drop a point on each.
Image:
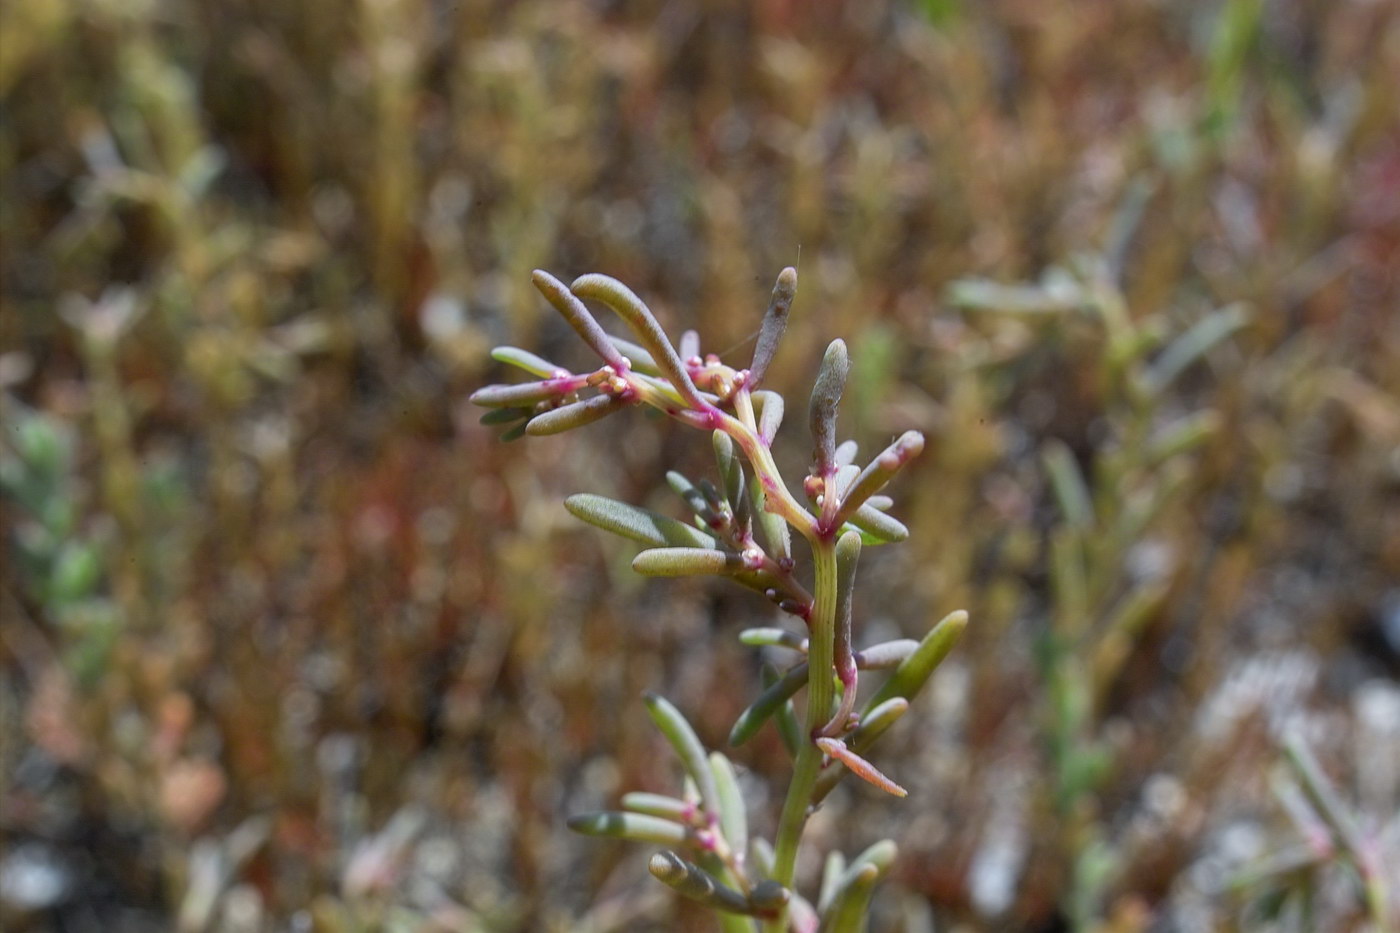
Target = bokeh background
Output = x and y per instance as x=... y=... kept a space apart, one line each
x=291 y=642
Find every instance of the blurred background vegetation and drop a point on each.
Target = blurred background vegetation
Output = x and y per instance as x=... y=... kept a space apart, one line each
x=290 y=642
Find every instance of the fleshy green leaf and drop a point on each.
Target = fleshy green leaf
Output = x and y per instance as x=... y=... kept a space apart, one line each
x=774 y=637
x=685 y=562
x=733 y=820
x=694 y=882
x=1057 y=295
x=639 y=524
x=768 y=702
x=880 y=471
x=850 y=898
x=762 y=855
x=731 y=474
x=874 y=723
x=505 y=415
x=524 y=359
x=843 y=658
x=826 y=399
x=692 y=495
x=848 y=911
x=573 y=311
x=769 y=896
x=638 y=316
x=909 y=678
x=886 y=654
x=575 y=415
x=658 y=805
x=847 y=558
x=832 y=870
x=776 y=533
x=876 y=527
x=636 y=827
x=770 y=407
x=677 y=730
x=524 y=393
x=775 y=319
x=784 y=717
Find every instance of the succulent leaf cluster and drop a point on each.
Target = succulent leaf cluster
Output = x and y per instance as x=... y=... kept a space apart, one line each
x=741 y=526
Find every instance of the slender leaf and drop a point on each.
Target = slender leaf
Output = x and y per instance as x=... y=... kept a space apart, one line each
x=524 y=359
x=583 y=323
x=685 y=562
x=826 y=399
x=768 y=702
x=635 y=827
x=886 y=654
x=878 y=473
x=694 y=882
x=659 y=805
x=638 y=524
x=677 y=730
x=733 y=820
x=770 y=407
x=638 y=316
x=876 y=527
x=575 y=415
x=773 y=637
x=775 y=319
x=911 y=675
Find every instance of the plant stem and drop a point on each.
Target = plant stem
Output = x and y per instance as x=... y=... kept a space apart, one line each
x=779 y=499
x=819 y=697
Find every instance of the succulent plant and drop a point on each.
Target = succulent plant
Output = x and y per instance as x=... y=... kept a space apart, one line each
x=743 y=527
